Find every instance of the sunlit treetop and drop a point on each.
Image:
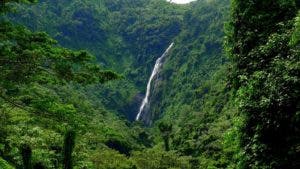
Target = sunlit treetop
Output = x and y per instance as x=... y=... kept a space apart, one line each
x=5 y=4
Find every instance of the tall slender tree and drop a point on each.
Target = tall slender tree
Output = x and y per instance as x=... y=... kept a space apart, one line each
x=166 y=130
x=39 y=165
x=26 y=153
x=68 y=149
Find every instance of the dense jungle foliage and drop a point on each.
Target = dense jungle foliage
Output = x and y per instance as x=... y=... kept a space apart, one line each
x=73 y=74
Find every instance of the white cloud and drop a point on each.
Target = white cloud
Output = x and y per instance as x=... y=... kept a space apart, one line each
x=181 y=1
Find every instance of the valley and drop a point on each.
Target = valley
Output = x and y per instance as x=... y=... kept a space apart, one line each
x=149 y=84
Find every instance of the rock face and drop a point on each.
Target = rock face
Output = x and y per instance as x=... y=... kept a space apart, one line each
x=145 y=106
x=131 y=110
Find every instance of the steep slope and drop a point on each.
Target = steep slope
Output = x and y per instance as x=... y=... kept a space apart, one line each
x=117 y=33
x=192 y=91
x=206 y=111
x=127 y=36
x=41 y=99
x=196 y=55
x=263 y=44
x=103 y=140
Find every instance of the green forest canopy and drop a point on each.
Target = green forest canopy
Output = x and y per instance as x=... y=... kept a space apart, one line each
x=226 y=97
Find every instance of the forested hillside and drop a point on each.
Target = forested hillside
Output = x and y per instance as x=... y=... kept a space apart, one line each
x=126 y=36
x=74 y=73
x=263 y=43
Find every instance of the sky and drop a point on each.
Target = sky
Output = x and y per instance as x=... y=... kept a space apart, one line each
x=182 y=1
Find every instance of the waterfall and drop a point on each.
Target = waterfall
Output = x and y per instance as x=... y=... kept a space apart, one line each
x=155 y=71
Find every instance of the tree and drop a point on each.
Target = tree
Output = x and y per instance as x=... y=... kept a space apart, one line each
x=26 y=156
x=27 y=58
x=166 y=130
x=266 y=77
x=39 y=166
x=68 y=149
x=30 y=61
x=5 y=8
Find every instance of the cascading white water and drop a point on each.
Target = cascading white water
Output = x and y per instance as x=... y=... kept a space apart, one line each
x=156 y=69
